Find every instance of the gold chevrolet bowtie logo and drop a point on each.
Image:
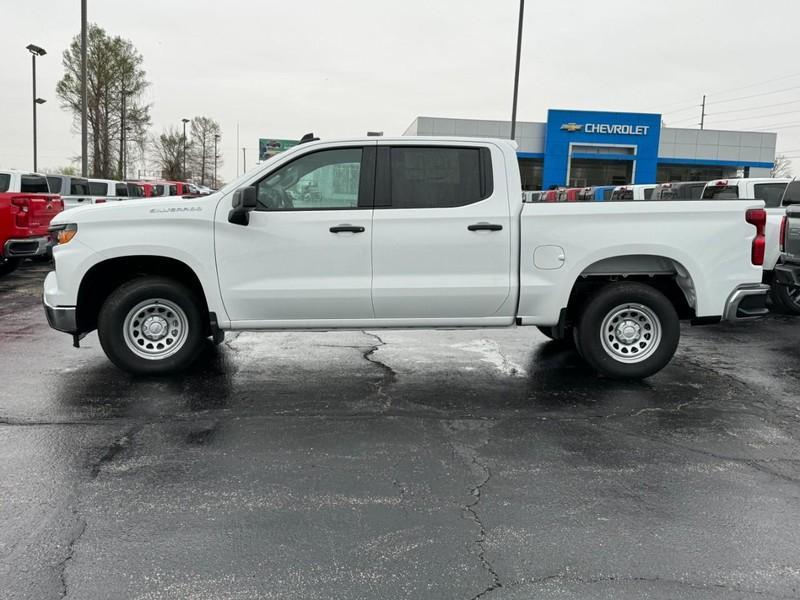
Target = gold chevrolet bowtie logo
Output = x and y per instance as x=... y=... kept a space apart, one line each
x=571 y=127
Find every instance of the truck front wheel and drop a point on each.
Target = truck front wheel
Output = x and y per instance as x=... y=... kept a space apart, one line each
x=628 y=331
x=151 y=326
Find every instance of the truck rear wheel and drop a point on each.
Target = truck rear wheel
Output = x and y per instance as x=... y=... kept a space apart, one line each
x=628 y=331
x=786 y=298
x=151 y=326
x=7 y=265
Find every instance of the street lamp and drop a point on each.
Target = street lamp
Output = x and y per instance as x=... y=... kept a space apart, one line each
x=216 y=139
x=35 y=51
x=185 y=121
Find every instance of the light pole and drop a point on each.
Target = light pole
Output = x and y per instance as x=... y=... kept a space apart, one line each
x=244 y=160
x=216 y=139
x=123 y=139
x=35 y=51
x=185 y=121
x=125 y=153
x=84 y=97
x=516 y=71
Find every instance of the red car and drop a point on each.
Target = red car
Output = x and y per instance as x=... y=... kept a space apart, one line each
x=174 y=188
x=26 y=209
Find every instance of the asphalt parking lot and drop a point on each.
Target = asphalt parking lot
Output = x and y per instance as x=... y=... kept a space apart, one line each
x=400 y=464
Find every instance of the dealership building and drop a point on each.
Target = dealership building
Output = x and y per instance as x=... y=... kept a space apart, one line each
x=584 y=148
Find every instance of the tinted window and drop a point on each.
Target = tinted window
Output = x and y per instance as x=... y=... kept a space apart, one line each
x=34 y=184
x=55 y=184
x=79 y=187
x=693 y=192
x=648 y=193
x=173 y=190
x=623 y=194
x=5 y=182
x=135 y=190
x=158 y=190
x=721 y=192
x=98 y=188
x=436 y=177
x=317 y=181
x=121 y=189
x=770 y=193
x=607 y=194
x=792 y=195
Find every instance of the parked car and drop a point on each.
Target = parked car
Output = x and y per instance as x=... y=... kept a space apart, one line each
x=601 y=193
x=174 y=188
x=771 y=191
x=26 y=210
x=451 y=246
x=632 y=192
x=74 y=191
x=107 y=190
x=786 y=288
x=679 y=190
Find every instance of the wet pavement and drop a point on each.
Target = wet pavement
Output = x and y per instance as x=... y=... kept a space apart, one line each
x=397 y=464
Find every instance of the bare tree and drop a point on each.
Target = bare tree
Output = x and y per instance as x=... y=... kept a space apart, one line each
x=168 y=149
x=202 y=149
x=782 y=167
x=116 y=84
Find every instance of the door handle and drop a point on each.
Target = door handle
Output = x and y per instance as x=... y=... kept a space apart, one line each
x=346 y=228
x=484 y=227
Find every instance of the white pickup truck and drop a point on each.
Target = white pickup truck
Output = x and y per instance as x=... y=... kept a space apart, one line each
x=399 y=233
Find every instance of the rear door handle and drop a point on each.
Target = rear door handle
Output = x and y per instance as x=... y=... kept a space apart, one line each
x=345 y=227
x=484 y=227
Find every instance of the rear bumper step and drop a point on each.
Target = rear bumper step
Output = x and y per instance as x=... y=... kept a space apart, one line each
x=26 y=247
x=747 y=302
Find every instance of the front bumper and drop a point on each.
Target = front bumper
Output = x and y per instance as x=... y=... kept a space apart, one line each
x=61 y=318
x=26 y=247
x=747 y=302
x=787 y=275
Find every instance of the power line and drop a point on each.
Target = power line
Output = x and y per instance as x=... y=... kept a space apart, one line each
x=725 y=112
x=788 y=112
x=796 y=87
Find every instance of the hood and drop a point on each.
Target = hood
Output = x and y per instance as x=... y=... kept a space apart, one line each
x=139 y=208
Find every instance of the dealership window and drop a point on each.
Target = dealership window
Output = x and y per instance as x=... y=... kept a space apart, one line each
x=667 y=173
x=584 y=172
x=531 y=171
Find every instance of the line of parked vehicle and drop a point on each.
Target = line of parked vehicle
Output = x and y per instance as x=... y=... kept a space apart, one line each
x=29 y=201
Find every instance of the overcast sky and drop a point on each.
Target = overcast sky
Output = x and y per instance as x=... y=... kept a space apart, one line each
x=283 y=68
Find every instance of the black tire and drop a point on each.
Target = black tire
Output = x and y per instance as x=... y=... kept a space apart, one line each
x=8 y=265
x=163 y=296
x=786 y=299
x=653 y=331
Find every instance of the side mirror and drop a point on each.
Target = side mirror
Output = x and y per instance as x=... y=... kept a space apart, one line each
x=244 y=200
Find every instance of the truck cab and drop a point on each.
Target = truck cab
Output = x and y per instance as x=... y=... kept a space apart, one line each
x=108 y=190
x=632 y=192
x=26 y=210
x=679 y=190
x=74 y=191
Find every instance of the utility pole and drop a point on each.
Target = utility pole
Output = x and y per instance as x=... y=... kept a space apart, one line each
x=516 y=71
x=183 y=172
x=35 y=51
x=122 y=137
x=703 y=113
x=84 y=97
x=237 y=148
x=216 y=139
x=244 y=160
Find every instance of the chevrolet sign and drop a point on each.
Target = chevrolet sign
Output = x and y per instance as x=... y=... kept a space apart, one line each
x=607 y=128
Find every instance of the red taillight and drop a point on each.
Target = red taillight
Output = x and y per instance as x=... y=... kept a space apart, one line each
x=758 y=218
x=784 y=229
x=100 y=201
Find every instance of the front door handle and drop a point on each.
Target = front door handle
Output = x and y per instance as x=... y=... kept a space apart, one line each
x=484 y=227
x=345 y=227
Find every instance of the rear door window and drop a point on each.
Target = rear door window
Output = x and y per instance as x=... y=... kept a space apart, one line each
x=648 y=193
x=770 y=193
x=791 y=196
x=173 y=190
x=98 y=188
x=5 y=182
x=34 y=184
x=439 y=177
x=55 y=184
x=79 y=187
x=121 y=190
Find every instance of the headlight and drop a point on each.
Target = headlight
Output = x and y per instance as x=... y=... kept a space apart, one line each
x=64 y=233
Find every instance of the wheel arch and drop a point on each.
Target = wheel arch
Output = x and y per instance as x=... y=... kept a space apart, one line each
x=106 y=276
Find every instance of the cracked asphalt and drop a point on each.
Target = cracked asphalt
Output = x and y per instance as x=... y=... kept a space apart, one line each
x=397 y=464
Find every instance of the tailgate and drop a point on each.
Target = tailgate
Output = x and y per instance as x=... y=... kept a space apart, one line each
x=38 y=211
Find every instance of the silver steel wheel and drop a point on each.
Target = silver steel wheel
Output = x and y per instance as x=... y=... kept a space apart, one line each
x=630 y=333
x=155 y=329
